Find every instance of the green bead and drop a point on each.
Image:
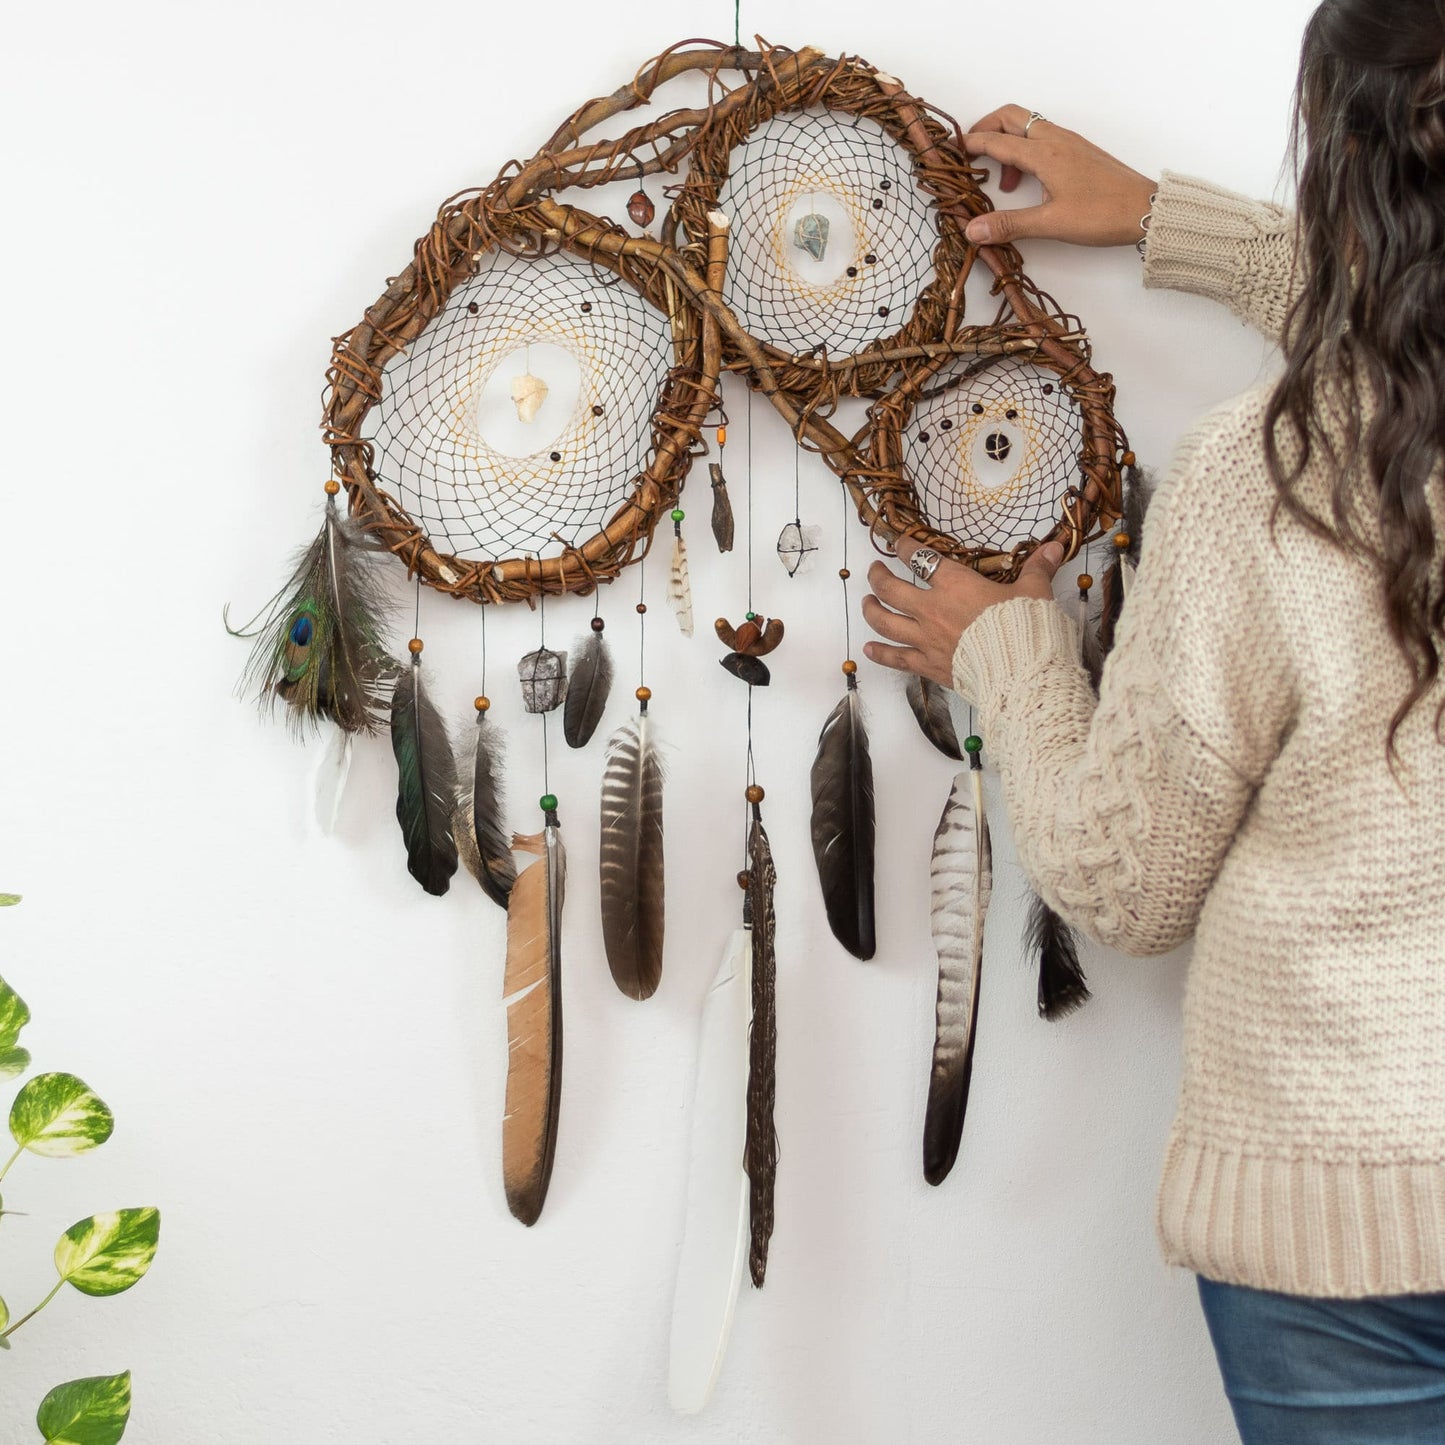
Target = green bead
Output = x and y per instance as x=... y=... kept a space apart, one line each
x=752 y=616
x=548 y=802
x=973 y=743
x=678 y=514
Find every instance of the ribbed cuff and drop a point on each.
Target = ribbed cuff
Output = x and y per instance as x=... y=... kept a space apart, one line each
x=1197 y=235
x=1008 y=639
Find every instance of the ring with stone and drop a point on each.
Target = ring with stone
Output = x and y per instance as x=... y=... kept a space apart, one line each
x=924 y=563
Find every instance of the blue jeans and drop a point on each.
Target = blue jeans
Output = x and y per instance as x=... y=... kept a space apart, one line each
x=1329 y=1372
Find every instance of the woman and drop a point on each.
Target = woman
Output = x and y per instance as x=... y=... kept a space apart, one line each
x=1264 y=766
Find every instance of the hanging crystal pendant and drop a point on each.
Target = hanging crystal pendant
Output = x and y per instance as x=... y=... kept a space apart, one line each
x=810 y=234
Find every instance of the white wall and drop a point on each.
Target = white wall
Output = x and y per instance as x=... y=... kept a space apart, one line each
x=305 y=1052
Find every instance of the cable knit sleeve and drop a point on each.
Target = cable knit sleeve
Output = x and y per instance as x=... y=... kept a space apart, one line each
x=1124 y=808
x=1227 y=247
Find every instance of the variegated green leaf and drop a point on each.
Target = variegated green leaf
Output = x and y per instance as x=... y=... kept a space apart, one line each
x=14 y=1015
x=9 y=900
x=108 y=1253
x=86 y=1412
x=58 y=1116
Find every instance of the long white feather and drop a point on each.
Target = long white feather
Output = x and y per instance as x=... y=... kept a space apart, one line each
x=962 y=877
x=679 y=587
x=331 y=775
x=715 y=1236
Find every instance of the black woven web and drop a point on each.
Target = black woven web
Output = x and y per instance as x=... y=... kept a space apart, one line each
x=856 y=165
x=476 y=501
x=990 y=456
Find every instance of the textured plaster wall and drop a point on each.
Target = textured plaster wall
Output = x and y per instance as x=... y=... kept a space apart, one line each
x=304 y=1052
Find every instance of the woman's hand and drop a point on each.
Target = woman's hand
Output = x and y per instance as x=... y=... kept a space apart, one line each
x=925 y=622
x=1090 y=198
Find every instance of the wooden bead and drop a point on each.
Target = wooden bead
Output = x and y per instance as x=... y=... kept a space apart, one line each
x=1123 y=541
x=1086 y=581
x=598 y=624
x=754 y=793
x=482 y=704
x=849 y=668
x=641 y=608
x=415 y=646
x=643 y=694
x=745 y=879
x=332 y=487
x=844 y=573
x=1129 y=459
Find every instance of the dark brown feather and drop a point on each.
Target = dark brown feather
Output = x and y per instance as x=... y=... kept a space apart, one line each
x=760 y=1156
x=483 y=842
x=630 y=859
x=587 y=690
x=722 y=509
x=426 y=783
x=929 y=702
x=1062 y=985
x=842 y=825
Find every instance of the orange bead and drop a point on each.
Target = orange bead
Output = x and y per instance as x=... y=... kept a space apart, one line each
x=643 y=694
x=1129 y=459
x=332 y=487
x=1123 y=541
x=850 y=667
x=1085 y=581
x=844 y=573
x=722 y=436
x=754 y=793
x=482 y=704
x=415 y=646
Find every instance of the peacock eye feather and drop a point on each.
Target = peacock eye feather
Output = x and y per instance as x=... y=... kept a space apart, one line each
x=298 y=646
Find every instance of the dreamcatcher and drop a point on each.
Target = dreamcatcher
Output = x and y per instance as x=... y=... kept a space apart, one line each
x=515 y=417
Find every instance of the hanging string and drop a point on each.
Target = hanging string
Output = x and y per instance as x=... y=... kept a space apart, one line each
x=738 y=23
x=844 y=574
x=642 y=628
x=542 y=643
x=750 y=497
x=484 y=650
x=416 y=621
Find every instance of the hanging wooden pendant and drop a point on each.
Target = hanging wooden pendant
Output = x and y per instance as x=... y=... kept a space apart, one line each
x=750 y=643
x=722 y=509
x=641 y=209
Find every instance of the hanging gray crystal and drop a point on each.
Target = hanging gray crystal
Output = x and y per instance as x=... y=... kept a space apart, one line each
x=544 y=679
x=810 y=234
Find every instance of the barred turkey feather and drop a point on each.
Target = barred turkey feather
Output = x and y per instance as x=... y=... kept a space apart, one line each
x=630 y=859
x=962 y=876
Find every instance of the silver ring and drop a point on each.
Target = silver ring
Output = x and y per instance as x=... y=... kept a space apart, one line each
x=1033 y=116
x=924 y=563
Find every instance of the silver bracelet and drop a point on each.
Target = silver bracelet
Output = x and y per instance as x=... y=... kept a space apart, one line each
x=1145 y=221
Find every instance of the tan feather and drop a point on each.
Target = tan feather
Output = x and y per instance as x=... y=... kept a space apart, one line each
x=532 y=993
x=679 y=587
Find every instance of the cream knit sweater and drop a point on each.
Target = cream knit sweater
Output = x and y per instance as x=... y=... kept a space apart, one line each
x=1231 y=783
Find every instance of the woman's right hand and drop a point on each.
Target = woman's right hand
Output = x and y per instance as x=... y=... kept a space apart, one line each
x=1090 y=199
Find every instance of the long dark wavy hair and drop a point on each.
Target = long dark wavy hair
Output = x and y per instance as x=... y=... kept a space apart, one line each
x=1370 y=126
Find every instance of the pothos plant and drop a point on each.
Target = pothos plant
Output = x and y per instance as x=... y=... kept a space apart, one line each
x=57 y=1116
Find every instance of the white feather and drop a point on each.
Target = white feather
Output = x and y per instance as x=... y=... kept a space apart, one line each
x=330 y=777
x=679 y=587
x=715 y=1237
x=1126 y=572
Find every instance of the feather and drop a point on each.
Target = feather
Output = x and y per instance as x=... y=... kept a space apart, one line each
x=532 y=993
x=715 y=1235
x=1119 y=576
x=319 y=641
x=760 y=1156
x=482 y=842
x=962 y=873
x=587 y=690
x=843 y=824
x=331 y=775
x=426 y=783
x=679 y=587
x=630 y=857
x=722 y=509
x=929 y=702
x=1062 y=985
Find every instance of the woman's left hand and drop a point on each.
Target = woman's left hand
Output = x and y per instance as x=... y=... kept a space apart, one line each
x=925 y=622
